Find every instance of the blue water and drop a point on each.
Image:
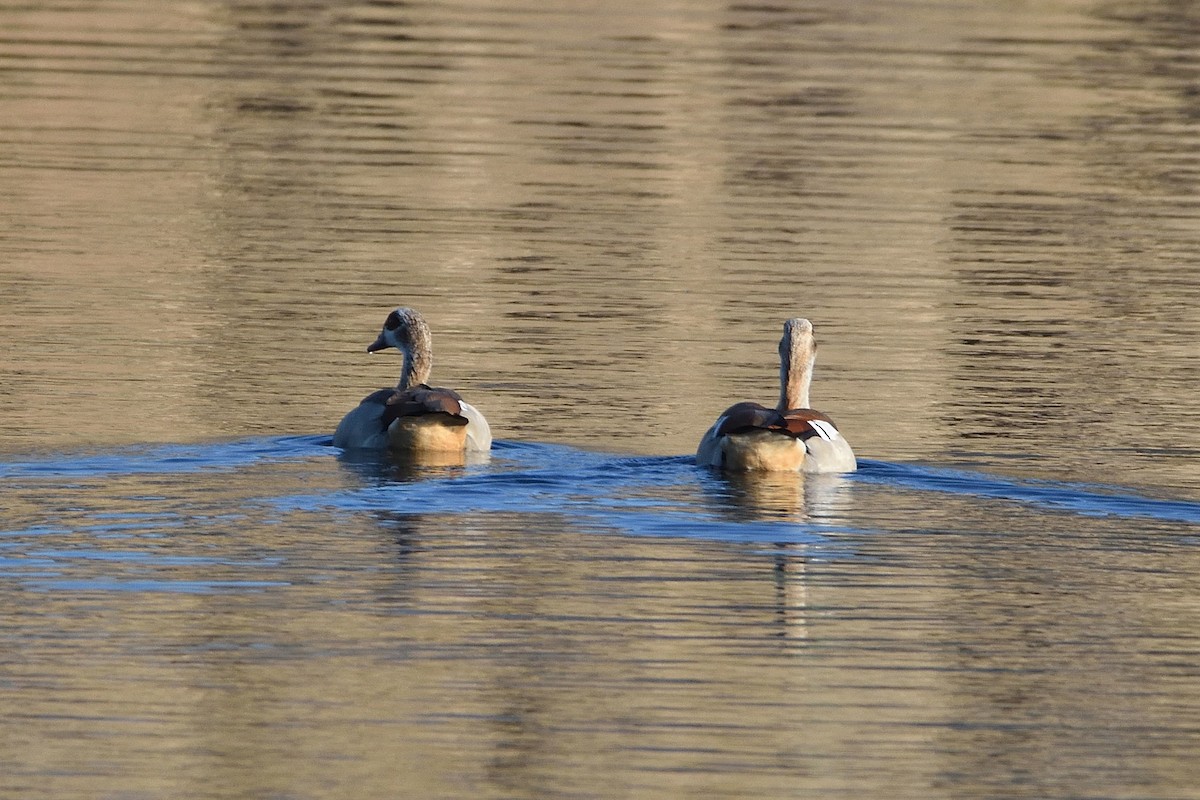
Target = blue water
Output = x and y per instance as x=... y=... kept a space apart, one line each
x=177 y=518
x=1078 y=498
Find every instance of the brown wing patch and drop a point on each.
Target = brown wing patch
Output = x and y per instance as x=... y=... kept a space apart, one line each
x=421 y=400
x=742 y=417
x=799 y=423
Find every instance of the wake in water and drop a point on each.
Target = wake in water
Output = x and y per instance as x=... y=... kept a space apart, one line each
x=1085 y=499
x=197 y=519
x=166 y=458
x=650 y=494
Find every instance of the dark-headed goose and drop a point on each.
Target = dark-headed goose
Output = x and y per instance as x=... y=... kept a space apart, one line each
x=789 y=437
x=413 y=418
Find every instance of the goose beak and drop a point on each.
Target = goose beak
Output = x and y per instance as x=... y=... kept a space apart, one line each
x=378 y=344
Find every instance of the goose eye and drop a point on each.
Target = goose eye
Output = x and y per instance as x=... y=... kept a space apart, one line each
x=393 y=321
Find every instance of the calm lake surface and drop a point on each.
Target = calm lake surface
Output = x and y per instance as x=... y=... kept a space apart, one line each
x=990 y=211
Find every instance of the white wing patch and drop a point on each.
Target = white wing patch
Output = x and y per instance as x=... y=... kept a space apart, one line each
x=824 y=429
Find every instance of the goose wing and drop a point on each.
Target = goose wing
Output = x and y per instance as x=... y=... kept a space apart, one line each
x=805 y=423
x=421 y=400
x=743 y=417
x=799 y=423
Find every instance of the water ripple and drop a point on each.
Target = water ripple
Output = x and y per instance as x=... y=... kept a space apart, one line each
x=165 y=458
x=1090 y=500
x=534 y=477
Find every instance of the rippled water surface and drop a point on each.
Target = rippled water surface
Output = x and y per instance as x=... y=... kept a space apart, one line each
x=989 y=211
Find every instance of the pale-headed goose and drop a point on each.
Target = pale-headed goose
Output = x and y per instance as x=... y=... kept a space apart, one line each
x=413 y=418
x=789 y=437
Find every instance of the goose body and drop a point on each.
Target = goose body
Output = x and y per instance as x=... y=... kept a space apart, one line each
x=790 y=437
x=413 y=418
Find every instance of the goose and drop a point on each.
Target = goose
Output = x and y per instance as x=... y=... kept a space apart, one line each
x=412 y=418
x=790 y=437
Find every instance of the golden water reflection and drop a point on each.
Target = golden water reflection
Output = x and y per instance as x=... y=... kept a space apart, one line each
x=605 y=213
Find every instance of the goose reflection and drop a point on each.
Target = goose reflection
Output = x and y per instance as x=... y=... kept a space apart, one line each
x=379 y=466
x=791 y=592
x=811 y=500
x=781 y=496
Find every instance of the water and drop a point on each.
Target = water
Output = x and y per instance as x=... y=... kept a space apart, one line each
x=263 y=617
x=605 y=211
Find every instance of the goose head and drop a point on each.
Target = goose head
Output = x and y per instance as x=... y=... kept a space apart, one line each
x=405 y=329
